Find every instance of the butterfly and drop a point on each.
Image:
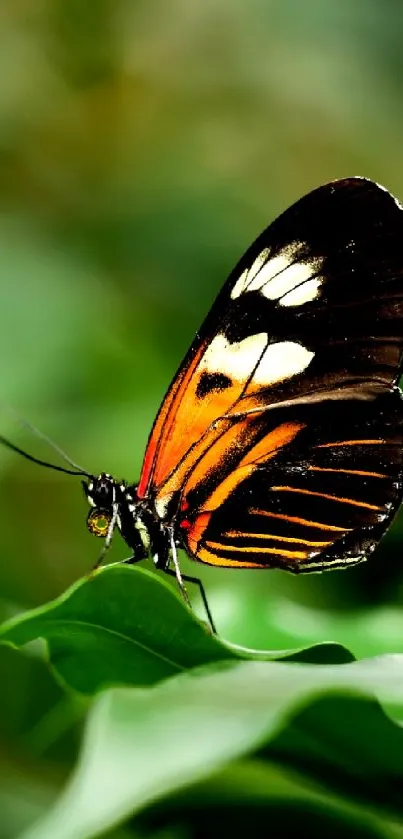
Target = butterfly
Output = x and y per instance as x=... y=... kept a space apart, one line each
x=279 y=441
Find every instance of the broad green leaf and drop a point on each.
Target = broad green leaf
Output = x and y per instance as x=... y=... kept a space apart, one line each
x=349 y=743
x=144 y=744
x=254 y=789
x=128 y=626
x=366 y=632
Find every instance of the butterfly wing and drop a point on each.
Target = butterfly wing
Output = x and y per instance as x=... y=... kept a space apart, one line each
x=304 y=338
x=321 y=499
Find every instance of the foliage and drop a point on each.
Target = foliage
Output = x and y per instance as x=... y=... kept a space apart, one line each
x=142 y=147
x=180 y=717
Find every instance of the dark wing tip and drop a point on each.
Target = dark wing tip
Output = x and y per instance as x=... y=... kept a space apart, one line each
x=361 y=185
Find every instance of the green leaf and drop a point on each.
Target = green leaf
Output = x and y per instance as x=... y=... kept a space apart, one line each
x=254 y=790
x=287 y=623
x=365 y=755
x=128 y=626
x=141 y=745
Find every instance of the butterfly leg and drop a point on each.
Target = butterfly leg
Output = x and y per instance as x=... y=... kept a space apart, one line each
x=130 y=560
x=187 y=579
x=182 y=578
x=176 y=571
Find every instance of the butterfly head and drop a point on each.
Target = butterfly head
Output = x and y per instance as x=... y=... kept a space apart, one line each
x=114 y=504
x=103 y=496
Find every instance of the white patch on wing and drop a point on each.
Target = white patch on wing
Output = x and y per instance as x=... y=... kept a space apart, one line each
x=257 y=265
x=236 y=360
x=304 y=293
x=274 y=268
x=282 y=361
x=280 y=277
x=249 y=273
x=240 y=285
x=287 y=280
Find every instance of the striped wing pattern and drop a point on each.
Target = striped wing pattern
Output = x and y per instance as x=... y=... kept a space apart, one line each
x=322 y=502
x=279 y=442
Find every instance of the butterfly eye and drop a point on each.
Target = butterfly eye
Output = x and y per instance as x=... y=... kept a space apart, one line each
x=98 y=522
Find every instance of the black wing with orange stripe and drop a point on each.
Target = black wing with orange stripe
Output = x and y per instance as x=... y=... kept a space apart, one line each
x=279 y=442
x=323 y=501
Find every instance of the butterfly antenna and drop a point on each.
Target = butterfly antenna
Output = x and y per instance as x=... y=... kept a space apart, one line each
x=14 y=448
x=78 y=470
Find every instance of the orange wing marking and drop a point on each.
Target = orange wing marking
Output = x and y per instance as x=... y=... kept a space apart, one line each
x=202 y=457
x=348 y=472
x=329 y=497
x=287 y=554
x=295 y=520
x=264 y=450
x=163 y=424
x=211 y=559
x=236 y=534
x=196 y=530
x=351 y=443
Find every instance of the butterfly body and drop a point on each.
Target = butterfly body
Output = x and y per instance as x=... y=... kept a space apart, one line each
x=116 y=502
x=296 y=534
x=279 y=443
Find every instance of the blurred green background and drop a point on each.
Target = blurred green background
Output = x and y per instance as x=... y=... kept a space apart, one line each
x=143 y=145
